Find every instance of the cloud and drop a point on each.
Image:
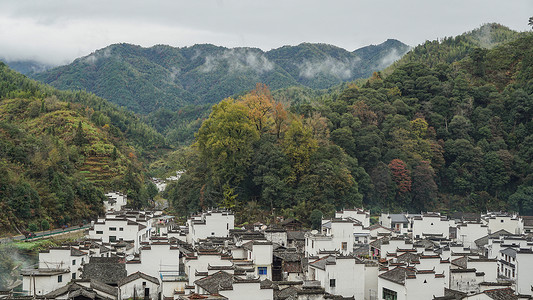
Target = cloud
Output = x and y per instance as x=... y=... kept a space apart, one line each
x=58 y=31
x=387 y=60
x=238 y=60
x=94 y=57
x=329 y=66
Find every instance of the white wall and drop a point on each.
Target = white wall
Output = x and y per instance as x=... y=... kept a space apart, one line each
x=357 y=214
x=469 y=232
x=398 y=288
x=430 y=225
x=248 y=290
x=371 y=281
x=524 y=263
x=41 y=285
x=262 y=257
x=214 y=224
x=425 y=286
x=126 y=291
x=201 y=263
x=513 y=224
x=155 y=258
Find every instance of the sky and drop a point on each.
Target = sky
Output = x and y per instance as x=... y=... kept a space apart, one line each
x=58 y=31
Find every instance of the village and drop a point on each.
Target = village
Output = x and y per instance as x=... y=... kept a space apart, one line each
x=130 y=254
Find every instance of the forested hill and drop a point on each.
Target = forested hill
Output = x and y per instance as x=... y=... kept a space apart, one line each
x=59 y=150
x=452 y=137
x=452 y=49
x=147 y=79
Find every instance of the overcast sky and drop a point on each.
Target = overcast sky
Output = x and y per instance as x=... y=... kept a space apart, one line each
x=58 y=31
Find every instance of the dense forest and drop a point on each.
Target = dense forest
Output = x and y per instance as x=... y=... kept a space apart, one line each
x=59 y=150
x=174 y=88
x=432 y=135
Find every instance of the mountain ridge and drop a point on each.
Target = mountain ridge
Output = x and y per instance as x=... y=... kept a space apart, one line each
x=162 y=76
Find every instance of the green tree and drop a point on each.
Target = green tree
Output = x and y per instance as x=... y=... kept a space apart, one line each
x=316 y=219
x=225 y=141
x=45 y=225
x=79 y=136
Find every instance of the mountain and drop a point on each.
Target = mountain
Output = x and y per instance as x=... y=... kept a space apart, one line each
x=147 y=79
x=27 y=66
x=449 y=136
x=452 y=49
x=59 y=150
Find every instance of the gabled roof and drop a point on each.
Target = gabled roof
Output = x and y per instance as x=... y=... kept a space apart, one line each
x=501 y=294
x=109 y=270
x=289 y=221
x=377 y=226
x=138 y=275
x=73 y=290
x=76 y=252
x=398 y=218
x=408 y=258
x=485 y=240
x=216 y=282
x=398 y=275
x=296 y=235
x=509 y=251
x=461 y=262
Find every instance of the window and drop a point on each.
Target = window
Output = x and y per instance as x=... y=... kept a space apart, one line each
x=332 y=283
x=344 y=245
x=112 y=229
x=262 y=270
x=73 y=262
x=99 y=232
x=405 y=225
x=121 y=229
x=73 y=275
x=112 y=238
x=389 y=294
x=60 y=278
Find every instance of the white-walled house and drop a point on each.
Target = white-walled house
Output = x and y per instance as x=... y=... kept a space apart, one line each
x=337 y=234
x=397 y=222
x=468 y=233
x=339 y=275
x=430 y=224
x=139 y=285
x=260 y=253
x=214 y=223
x=357 y=214
x=156 y=258
x=70 y=258
x=403 y=283
x=198 y=264
x=43 y=281
x=524 y=272
x=233 y=287
x=512 y=223
x=115 y=201
x=276 y=235
x=110 y=230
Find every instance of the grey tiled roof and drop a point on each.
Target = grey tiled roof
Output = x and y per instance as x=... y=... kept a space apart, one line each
x=216 y=282
x=136 y=276
x=108 y=270
x=397 y=275
x=501 y=294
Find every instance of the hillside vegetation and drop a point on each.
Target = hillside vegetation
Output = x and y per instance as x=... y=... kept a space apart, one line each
x=442 y=136
x=58 y=152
